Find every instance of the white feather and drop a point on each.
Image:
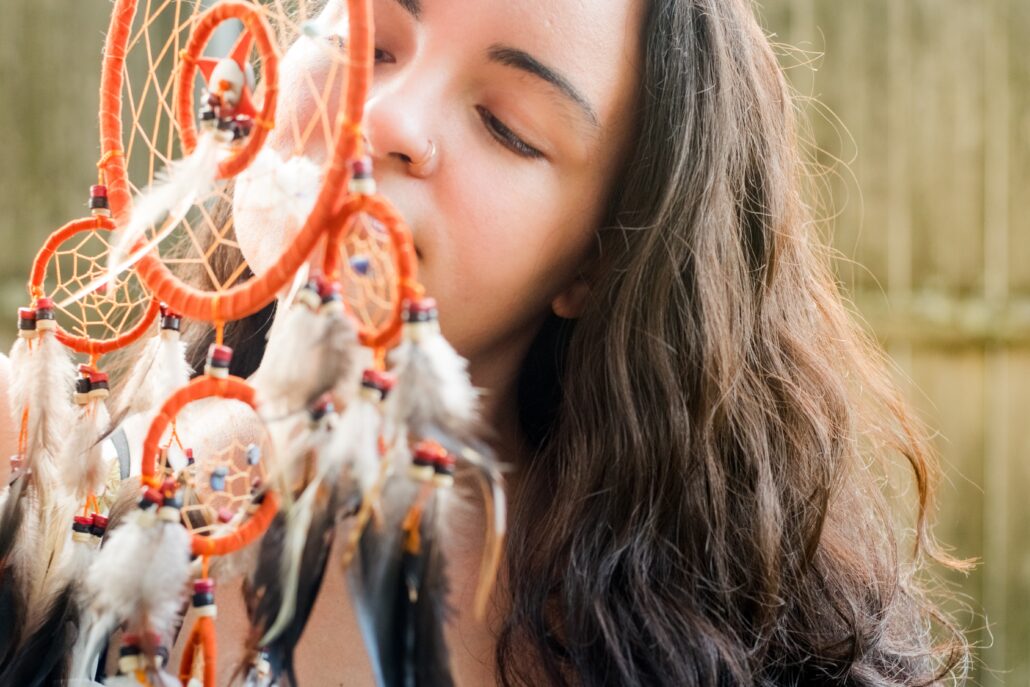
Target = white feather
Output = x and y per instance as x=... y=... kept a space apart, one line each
x=183 y=183
x=353 y=451
x=433 y=392
x=82 y=459
x=45 y=381
x=139 y=577
x=160 y=370
x=309 y=354
x=274 y=192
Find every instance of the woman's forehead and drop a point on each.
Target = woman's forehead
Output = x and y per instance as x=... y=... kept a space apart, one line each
x=593 y=44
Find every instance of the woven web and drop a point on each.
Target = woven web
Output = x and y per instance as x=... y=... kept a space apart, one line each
x=203 y=249
x=104 y=312
x=367 y=272
x=210 y=505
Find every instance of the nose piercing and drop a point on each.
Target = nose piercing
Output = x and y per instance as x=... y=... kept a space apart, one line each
x=427 y=158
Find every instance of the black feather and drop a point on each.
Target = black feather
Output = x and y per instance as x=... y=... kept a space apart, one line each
x=12 y=595
x=265 y=591
x=42 y=659
x=401 y=596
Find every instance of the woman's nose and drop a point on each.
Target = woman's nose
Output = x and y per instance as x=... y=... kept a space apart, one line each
x=398 y=130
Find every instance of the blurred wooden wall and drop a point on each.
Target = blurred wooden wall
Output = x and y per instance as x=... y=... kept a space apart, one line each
x=921 y=111
x=932 y=107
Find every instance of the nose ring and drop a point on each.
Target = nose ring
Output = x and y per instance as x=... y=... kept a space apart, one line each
x=423 y=164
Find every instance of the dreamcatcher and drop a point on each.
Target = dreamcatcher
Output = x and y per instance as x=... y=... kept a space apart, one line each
x=359 y=415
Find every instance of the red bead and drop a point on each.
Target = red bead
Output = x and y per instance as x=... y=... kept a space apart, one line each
x=224 y=515
x=100 y=521
x=204 y=585
x=28 y=314
x=98 y=378
x=220 y=354
x=377 y=378
x=445 y=461
x=428 y=452
x=421 y=310
x=44 y=303
x=361 y=168
x=86 y=520
x=98 y=191
x=154 y=496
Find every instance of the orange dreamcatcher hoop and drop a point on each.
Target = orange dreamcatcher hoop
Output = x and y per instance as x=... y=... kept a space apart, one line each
x=376 y=405
x=105 y=322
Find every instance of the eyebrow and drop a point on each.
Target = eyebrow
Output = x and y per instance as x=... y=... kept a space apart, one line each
x=520 y=59
x=413 y=7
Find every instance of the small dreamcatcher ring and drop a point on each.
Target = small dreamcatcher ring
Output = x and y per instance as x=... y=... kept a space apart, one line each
x=85 y=344
x=402 y=251
x=206 y=386
x=255 y=23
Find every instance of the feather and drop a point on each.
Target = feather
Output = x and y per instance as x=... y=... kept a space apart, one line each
x=82 y=459
x=13 y=588
x=314 y=351
x=170 y=197
x=274 y=192
x=139 y=578
x=44 y=382
x=160 y=370
x=433 y=396
x=42 y=659
x=399 y=591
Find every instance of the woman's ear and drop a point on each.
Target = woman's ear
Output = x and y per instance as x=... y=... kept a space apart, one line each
x=569 y=303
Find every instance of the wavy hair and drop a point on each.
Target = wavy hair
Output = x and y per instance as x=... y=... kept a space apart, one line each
x=709 y=436
x=702 y=501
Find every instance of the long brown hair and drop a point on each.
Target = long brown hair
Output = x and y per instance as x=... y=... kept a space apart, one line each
x=709 y=434
x=707 y=438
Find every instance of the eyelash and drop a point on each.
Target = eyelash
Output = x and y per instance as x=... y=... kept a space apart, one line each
x=498 y=129
x=506 y=136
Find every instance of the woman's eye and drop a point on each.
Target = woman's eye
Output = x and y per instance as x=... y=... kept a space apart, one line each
x=506 y=136
x=380 y=55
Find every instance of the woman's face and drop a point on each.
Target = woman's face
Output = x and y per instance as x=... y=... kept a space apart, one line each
x=529 y=108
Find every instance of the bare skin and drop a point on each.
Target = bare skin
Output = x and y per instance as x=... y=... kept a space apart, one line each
x=529 y=109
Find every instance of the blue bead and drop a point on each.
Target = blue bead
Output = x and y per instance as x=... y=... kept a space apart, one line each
x=360 y=264
x=218 y=476
x=253 y=454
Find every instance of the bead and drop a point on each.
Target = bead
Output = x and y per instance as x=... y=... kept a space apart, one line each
x=99 y=386
x=98 y=202
x=361 y=180
x=423 y=460
x=218 y=360
x=151 y=497
x=253 y=454
x=26 y=322
x=421 y=310
x=224 y=515
x=99 y=525
x=170 y=320
x=360 y=264
x=82 y=523
x=322 y=407
x=82 y=391
x=189 y=456
x=45 y=319
x=217 y=479
x=376 y=384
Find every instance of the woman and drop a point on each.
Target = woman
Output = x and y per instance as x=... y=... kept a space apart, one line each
x=606 y=200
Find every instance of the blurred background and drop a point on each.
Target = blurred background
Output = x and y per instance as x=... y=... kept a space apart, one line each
x=919 y=115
